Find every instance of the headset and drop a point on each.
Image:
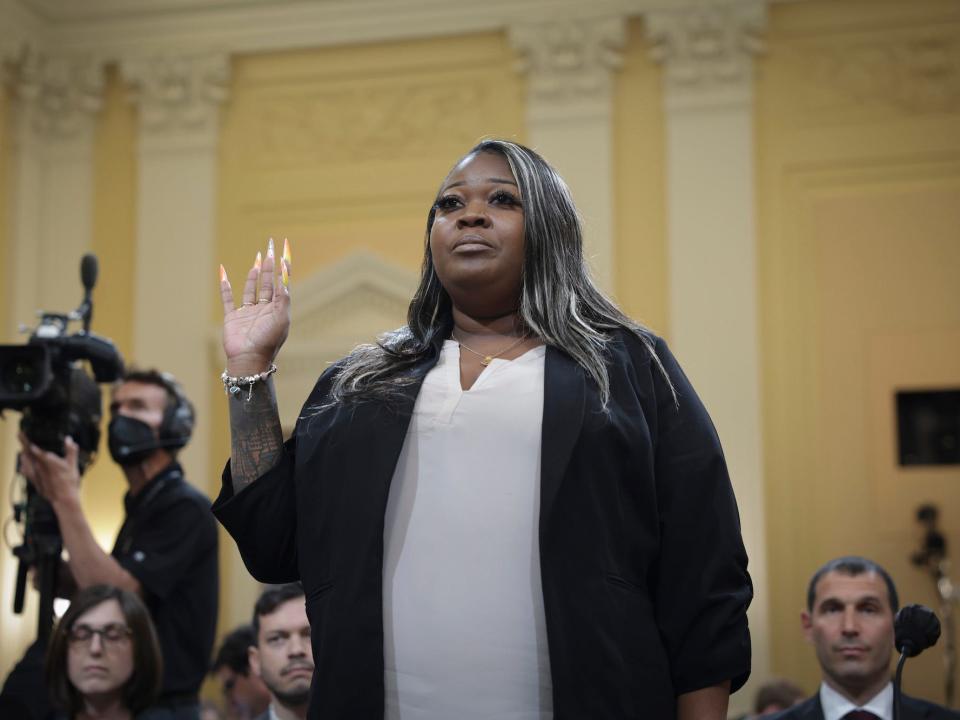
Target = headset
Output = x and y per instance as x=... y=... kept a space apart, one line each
x=178 y=417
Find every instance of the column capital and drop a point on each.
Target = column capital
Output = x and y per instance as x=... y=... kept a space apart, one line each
x=570 y=59
x=178 y=96
x=707 y=45
x=61 y=92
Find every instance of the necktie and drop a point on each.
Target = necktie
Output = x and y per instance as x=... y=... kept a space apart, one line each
x=860 y=715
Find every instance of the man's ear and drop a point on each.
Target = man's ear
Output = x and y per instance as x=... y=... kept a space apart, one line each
x=253 y=657
x=806 y=623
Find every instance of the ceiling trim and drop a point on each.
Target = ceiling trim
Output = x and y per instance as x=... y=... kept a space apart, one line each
x=105 y=29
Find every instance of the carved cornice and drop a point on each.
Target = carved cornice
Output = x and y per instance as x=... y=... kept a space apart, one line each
x=362 y=121
x=709 y=44
x=178 y=94
x=569 y=59
x=62 y=92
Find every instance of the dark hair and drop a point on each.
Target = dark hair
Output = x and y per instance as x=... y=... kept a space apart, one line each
x=233 y=650
x=782 y=693
x=143 y=687
x=272 y=598
x=559 y=302
x=852 y=565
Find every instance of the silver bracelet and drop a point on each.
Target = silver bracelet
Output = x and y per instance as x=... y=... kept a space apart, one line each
x=233 y=384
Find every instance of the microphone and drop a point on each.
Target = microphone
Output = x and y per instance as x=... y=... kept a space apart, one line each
x=88 y=271
x=915 y=628
x=88 y=276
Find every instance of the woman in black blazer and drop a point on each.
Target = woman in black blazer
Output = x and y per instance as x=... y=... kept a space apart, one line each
x=639 y=568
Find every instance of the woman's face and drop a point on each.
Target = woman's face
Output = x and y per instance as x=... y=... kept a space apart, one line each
x=477 y=238
x=100 y=651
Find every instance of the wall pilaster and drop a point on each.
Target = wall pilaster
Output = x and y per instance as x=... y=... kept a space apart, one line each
x=569 y=65
x=56 y=99
x=178 y=99
x=707 y=49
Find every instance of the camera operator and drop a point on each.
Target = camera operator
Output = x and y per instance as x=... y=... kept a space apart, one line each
x=166 y=550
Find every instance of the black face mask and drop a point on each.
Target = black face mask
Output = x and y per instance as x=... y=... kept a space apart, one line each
x=131 y=441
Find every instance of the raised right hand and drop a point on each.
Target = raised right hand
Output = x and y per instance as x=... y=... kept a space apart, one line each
x=254 y=332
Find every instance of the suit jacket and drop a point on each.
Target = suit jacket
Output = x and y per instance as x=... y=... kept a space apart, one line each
x=643 y=569
x=913 y=709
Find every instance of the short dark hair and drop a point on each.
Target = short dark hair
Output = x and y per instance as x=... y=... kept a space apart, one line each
x=152 y=376
x=272 y=598
x=233 y=650
x=782 y=693
x=853 y=565
x=143 y=687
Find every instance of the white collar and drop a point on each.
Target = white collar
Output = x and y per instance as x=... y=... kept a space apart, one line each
x=835 y=705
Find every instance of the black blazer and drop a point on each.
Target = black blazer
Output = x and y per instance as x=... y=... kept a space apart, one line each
x=913 y=709
x=643 y=569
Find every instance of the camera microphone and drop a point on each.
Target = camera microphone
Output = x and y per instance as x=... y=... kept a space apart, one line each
x=88 y=271
x=88 y=276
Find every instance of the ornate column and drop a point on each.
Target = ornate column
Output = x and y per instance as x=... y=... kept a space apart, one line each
x=706 y=49
x=57 y=99
x=179 y=101
x=569 y=65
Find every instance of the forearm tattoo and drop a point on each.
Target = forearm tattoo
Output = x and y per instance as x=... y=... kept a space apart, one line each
x=256 y=437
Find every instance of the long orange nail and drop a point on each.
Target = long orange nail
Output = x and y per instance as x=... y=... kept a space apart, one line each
x=270 y=248
x=259 y=261
x=223 y=275
x=284 y=273
x=286 y=251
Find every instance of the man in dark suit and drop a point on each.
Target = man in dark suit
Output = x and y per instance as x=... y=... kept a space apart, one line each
x=851 y=602
x=282 y=656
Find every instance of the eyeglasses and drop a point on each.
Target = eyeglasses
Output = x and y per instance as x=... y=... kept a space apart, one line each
x=112 y=634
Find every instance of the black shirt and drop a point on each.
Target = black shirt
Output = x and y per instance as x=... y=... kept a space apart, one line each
x=168 y=542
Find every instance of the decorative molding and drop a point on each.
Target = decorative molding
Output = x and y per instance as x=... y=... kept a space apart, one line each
x=570 y=59
x=178 y=94
x=248 y=26
x=903 y=73
x=62 y=92
x=709 y=44
x=360 y=121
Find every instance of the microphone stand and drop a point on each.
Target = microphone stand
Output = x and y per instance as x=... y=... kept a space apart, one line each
x=897 y=681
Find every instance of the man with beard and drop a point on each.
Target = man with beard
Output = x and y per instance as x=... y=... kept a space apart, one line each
x=166 y=550
x=851 y=602
x=283 y=656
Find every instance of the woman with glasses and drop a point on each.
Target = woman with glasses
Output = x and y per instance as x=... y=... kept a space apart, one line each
x=104 y=659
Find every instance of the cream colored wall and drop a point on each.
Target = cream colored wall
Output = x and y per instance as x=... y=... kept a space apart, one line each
x=113 y=231
x=858 y=145
x=639 y=203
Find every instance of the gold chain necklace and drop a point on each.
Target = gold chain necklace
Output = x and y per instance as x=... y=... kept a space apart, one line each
x=487 y=359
